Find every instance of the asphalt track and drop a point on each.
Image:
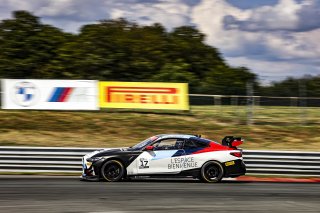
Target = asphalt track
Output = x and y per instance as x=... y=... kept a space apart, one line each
x=36 y=194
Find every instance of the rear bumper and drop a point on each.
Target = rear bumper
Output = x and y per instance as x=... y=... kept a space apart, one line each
x=234 y=170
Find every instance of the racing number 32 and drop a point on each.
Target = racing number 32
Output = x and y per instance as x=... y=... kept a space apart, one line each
x=144 y=163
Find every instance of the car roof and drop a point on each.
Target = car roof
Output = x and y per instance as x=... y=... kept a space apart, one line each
x=185 y=136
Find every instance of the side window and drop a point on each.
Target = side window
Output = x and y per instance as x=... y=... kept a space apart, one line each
x=166 y=144
x=201 y=144
x=189 y=144
x=193 y=143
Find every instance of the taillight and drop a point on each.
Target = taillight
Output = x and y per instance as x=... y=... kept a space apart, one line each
x=236 y=154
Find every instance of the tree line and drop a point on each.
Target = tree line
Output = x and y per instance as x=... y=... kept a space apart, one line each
x=119 y=50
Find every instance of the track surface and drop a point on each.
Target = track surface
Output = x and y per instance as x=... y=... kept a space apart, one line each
x=33 y=194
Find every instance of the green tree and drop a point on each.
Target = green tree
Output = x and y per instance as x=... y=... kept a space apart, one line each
x=27 y=46
x=224 y=80
x=177 y=72
x=187 y=43
x=117 y=50
x=292 y=87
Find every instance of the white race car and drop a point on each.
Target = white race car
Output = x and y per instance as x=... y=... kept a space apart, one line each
x=166 y=155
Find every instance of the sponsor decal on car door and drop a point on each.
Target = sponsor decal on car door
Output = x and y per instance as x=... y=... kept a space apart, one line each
x=160 y=162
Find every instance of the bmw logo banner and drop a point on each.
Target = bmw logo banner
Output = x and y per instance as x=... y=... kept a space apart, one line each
x=49 y=94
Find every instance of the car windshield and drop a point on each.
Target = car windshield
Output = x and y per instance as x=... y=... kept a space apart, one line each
x=144 y=143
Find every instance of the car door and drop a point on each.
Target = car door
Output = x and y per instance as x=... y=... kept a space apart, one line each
x=167 y=157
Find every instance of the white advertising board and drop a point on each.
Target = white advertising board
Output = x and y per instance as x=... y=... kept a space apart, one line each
x=49 y=94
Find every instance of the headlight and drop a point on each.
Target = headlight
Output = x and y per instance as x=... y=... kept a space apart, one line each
x=94 y=159
x=88 y=164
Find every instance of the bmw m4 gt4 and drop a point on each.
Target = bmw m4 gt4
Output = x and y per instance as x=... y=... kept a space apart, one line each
x=166 y=155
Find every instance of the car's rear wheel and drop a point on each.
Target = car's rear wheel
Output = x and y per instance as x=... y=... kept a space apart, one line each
x=112 y=171
x=212 y=172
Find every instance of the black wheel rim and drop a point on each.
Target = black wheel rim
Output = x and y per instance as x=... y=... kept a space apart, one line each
x=112 y=171
x=212 y=172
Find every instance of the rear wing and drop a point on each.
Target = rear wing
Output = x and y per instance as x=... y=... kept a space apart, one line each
x=232 y=141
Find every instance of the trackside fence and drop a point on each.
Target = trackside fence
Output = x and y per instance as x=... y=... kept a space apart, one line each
x=68 y=160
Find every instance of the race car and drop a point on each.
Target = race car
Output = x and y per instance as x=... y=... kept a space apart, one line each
x=168 y=155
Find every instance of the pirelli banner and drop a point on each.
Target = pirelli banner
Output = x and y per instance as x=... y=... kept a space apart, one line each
x=144 y=95
x=50 y=94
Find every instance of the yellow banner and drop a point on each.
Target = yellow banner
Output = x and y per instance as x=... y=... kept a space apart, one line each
x=144 y=95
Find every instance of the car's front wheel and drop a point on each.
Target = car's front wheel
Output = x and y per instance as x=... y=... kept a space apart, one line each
x=212 y=172
x=112 y=171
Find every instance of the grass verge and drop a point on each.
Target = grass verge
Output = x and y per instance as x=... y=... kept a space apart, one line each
x=273 y=128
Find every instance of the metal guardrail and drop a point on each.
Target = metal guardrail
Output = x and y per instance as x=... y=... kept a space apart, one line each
x=68 y=160
x=291 y=163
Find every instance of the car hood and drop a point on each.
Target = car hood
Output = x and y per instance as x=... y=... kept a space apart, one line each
x=104 y=152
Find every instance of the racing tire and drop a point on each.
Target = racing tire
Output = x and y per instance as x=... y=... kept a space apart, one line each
x=112 y=171
x=212 y=172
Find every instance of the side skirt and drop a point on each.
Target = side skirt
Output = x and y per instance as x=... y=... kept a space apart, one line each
x=195 y=173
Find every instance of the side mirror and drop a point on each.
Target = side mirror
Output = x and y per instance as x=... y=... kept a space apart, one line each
x=149 y=148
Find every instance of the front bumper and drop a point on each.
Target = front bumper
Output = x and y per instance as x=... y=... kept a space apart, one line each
x=88 y=172
x=88 y=178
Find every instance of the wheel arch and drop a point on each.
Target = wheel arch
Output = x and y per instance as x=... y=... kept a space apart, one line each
x=109 y=159
x=213 y=160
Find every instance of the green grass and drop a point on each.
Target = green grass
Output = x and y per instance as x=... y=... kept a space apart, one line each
x=280 y=128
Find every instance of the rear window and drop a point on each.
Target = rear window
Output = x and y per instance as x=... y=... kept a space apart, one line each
x=202 y=140
x=195 y=142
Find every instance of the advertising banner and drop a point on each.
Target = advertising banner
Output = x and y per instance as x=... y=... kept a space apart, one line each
x=49 y=94
x=144 y=95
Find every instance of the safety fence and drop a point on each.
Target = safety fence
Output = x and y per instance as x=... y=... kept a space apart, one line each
x=68 y=160
x=242 y=100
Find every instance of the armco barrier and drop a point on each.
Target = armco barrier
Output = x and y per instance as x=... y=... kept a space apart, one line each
x=68 y=160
